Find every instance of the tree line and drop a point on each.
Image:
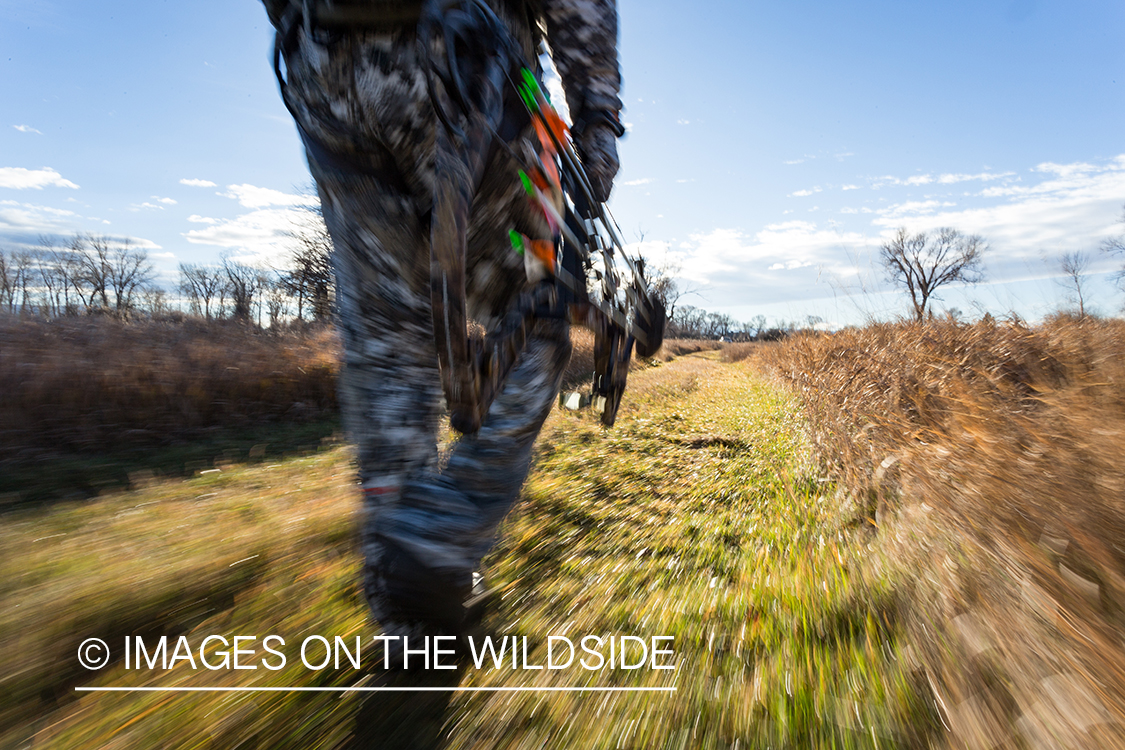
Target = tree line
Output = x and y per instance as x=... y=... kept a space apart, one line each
x=87 y=273
x=95 y=274
x=689 y=322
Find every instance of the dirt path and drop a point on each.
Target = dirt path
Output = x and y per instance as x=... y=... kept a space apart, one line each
x=698 y=516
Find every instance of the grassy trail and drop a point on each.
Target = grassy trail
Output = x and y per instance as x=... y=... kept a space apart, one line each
x=699 y=516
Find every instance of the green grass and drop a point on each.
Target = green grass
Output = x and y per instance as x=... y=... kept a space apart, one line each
x=700 y=516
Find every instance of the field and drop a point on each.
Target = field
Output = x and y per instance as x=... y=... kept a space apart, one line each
x=992 y=459
x=890 y=537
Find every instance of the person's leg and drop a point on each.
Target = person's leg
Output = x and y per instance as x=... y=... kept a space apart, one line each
x=450 y=519
x=361 y=102
x=423 y=532
x=389 y=390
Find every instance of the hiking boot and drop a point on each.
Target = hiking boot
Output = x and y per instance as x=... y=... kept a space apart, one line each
x=408 y=598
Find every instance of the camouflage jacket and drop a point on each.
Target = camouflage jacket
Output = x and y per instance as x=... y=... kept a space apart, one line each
x=581 y=34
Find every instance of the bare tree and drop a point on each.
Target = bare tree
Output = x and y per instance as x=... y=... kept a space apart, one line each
x=212 y=287
x=1116 y=246
x=189 y=288
x=923 y=263
x=129 y=271
x=276 y=298
x=310 y=279
x=691 y=322
x=202 y=285
x=718 y=325
x=17 y=272
x=663 y=284
x=1074 y=266
x=755 y=326
x=263 y=282
x=224 y=292
x=93 y=257
x=110 y=272
x=155 y=300
x=52 y=275
x=82 y=278
x=243 y=283
x=7 y=287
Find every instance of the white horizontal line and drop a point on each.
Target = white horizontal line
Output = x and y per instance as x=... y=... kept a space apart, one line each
x=373 y=689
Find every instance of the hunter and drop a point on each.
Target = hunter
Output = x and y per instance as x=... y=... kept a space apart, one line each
x=380 y=141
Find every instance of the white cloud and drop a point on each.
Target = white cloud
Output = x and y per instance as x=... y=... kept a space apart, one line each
x=655 y=252
x=260 y=235
x=19 y=178
x=197 y=183
x=252 y=196
x=197 y=219
x=727 y=264
x=1073 y=208
x=22 y=222
x=140 y=243
x=791 y=265
x=849 y=187
x=27 y=129
x=146 y=204
x=794 y=161
x=28 y=216
x=168 y=201
x=949 y=179
x=643 y=181
x=786 y=226
x=805 y=193
x=1068 y=170
x=683 y=122
x=162 y=255
x=912 y=208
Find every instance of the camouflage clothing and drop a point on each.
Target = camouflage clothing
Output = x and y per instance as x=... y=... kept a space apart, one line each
x=373 y=142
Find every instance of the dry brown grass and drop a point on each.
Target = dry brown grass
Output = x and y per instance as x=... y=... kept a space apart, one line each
x=88 y=384
x=742 y=350
x=1003 y=448
x=93 y=383
x=679 y=347
x=581 y=358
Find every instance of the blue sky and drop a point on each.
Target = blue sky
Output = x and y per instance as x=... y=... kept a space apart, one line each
x=771 y=148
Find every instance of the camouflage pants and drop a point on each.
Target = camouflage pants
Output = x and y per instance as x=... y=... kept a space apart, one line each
x=425 y=527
